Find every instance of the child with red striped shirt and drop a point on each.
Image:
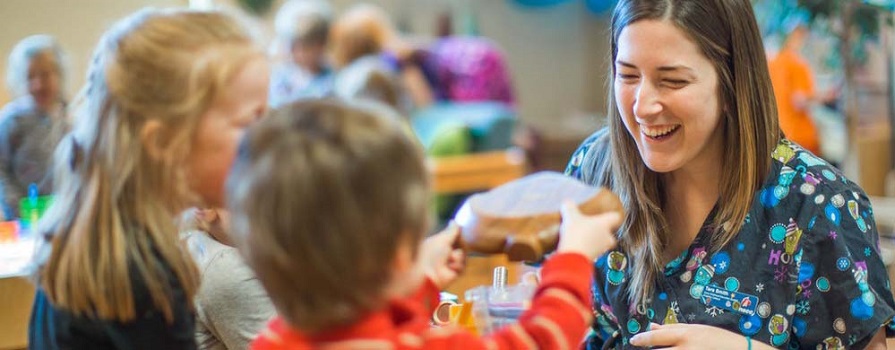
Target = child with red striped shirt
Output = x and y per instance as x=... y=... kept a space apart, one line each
x=328 y=207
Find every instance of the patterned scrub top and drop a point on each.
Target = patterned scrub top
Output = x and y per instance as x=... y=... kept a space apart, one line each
x=803 y=273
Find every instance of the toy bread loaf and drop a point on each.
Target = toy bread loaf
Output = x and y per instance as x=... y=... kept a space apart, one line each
x=522 y=218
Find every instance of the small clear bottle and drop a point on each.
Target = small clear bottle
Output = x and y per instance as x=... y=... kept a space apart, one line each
x=500 y=304
x=503 y=308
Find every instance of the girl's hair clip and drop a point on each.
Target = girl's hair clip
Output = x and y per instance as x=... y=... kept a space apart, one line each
x=76 y=153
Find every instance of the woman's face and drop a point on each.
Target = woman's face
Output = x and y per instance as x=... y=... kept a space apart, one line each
x=44 y=83
x=242 y=102
x=667 y=93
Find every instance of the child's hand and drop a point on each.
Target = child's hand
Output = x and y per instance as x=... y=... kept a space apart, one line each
x=439 y=260
x=215 y=222
x=588 y=235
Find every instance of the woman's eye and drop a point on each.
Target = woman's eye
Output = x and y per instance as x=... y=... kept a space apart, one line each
x=675 y=83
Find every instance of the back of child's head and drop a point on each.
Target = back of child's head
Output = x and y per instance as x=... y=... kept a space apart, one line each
x=121 y=172
x=321 y=196
x=370 y=78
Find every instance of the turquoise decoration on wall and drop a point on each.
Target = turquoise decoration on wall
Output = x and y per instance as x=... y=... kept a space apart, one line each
x=600 y=6
x=540 y=3
x=886 y=4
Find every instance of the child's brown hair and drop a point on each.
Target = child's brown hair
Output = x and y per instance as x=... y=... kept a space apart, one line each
x=322 y=193
x=362 y=30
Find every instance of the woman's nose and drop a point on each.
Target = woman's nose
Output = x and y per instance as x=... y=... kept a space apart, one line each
x=647 y=102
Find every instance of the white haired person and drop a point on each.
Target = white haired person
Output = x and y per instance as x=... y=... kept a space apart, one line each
x=34 y=122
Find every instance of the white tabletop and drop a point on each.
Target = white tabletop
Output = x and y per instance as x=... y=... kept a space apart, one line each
x=15 y=257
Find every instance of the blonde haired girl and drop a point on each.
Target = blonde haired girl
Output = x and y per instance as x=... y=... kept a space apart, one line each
x=168 y=94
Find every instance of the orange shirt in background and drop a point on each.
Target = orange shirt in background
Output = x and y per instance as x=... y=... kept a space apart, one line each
x=791 y=76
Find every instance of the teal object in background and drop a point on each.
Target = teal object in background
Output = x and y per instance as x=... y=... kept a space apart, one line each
x=454 y=129
x=595 y=6
x=540 y=3
x=886 y=4
x=489 y=126
x=600 y=6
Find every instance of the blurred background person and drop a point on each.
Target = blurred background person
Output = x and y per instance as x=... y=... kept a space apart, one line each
x=365 y=36
x=302 y=32
x=793 y=82
x=34 y=122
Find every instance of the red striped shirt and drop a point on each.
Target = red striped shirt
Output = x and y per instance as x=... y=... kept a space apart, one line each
x=559 y=317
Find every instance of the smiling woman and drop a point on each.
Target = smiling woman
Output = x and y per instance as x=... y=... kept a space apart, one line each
x=731 y=230
x=668 y=102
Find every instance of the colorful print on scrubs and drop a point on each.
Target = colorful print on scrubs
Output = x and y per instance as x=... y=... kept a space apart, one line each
x=804 y=272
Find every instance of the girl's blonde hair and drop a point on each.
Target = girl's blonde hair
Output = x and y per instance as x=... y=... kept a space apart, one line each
x=113 y=218
x=726 y=33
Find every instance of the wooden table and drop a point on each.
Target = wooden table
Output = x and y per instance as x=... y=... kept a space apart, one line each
x=16 y=293
x=477 y=171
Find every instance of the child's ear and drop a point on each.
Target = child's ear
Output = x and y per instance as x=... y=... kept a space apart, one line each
x=405 y=259
x=149 y=137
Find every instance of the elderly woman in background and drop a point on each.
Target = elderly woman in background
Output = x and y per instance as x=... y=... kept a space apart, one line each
x=34 y=122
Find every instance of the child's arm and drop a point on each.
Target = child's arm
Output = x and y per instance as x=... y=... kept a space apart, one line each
x=440 y=263
x=561 y=310
x=559 y=316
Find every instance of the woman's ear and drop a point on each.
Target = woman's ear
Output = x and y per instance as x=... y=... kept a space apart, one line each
x=150 y=138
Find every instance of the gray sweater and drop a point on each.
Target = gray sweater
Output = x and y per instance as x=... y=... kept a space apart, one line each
x=231 y=305
x=28 y=139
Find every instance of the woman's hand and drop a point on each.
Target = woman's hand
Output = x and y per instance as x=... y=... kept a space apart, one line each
x=694 y=336
x=439 y=260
